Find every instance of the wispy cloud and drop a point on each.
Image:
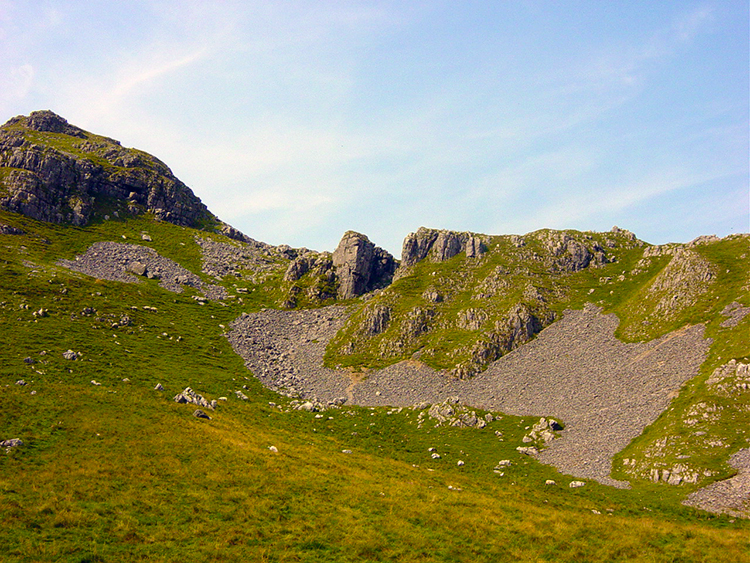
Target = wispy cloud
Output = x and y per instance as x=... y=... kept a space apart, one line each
x=106 y=95
x=294 y=118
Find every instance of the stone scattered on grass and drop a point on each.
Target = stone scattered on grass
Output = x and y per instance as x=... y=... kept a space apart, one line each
x=190 y=396
x=200 y=414
x=12 y=443
x=576 y=484
x=70 y=355
x=159 y=387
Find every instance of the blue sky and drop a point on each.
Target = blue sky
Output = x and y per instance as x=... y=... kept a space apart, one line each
x=297 y=121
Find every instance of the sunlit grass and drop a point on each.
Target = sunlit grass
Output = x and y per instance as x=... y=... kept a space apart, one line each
x=119 y=472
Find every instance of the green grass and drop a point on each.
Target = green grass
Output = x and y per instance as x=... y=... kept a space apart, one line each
x=119 y=472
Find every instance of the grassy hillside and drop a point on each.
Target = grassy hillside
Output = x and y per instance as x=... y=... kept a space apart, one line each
x=118 y=471
x=442 y=313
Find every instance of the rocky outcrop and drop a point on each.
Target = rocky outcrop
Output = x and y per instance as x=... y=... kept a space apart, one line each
x=687 y=276
x=452 y=412
x=734 y=312
x=188 y=396
x=568 y=255
x=55 y=172
x=319 y=283
x=730 y=379
x=318 y=263
x=10 y=230
x=361 y=266
x=377 y=319
x=521 y=324
x=543 y=432
x=439 y=246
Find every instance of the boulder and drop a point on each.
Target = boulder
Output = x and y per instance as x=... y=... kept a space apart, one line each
x=200 y=414
x=138 y=268
x=70 y=355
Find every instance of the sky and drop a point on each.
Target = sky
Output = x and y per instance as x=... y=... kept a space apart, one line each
x=296 y=121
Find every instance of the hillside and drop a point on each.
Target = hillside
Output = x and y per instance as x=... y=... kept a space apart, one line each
x=177 y=390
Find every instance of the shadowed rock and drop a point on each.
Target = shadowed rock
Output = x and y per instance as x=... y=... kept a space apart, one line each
x=361 y=266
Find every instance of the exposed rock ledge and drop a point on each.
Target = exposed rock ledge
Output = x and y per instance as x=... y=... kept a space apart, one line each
x=605 y=391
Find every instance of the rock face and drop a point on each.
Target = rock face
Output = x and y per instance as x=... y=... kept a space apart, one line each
x=687 y=276
x=361 y=266
x=439 y=245
x=569 y=255
x=520 y=325
x=53 y=171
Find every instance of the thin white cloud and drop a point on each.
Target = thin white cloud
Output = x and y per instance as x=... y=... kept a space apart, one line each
x=585 y=206
x=21 y=80
x=106 y=95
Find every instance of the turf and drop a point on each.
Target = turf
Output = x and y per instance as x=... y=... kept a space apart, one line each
x=120 y=472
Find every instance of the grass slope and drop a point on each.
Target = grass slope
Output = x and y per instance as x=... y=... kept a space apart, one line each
x=118 y=471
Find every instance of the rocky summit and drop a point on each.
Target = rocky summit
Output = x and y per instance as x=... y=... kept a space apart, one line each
x=173 y=388
x=53 y=171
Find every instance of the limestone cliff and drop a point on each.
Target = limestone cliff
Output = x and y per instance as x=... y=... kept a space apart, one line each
x=361 y=266
x=56 y=172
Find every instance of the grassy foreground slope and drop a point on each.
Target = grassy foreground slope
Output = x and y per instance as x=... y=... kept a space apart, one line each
x=119 y=472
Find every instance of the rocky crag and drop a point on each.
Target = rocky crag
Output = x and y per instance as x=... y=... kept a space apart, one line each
x=355 y=268
x=53 y=171
x=56 y=172
x=461 y=300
